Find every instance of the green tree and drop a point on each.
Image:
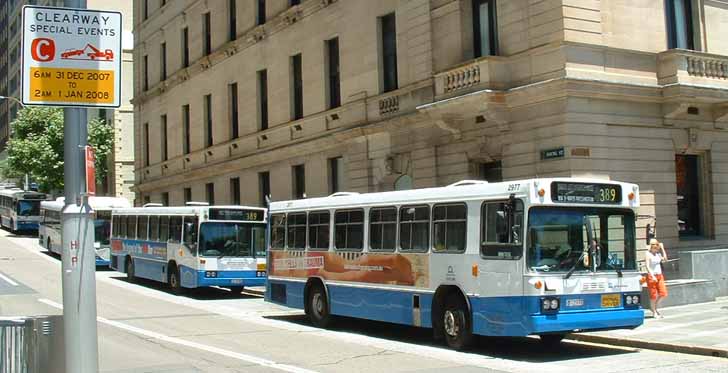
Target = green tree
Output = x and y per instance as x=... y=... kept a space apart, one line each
x=36 y=147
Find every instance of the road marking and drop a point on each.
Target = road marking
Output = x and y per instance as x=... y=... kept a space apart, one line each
x=669 y=326
x=692 y=335
x=165 y=338
x=8 y=280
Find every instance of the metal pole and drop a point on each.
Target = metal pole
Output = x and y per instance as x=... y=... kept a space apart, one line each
x=78 y=258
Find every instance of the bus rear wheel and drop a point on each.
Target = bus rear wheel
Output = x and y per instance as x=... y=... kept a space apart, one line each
x=456 y=323
x=130 y=275
x=173 y=280
x=318 y=307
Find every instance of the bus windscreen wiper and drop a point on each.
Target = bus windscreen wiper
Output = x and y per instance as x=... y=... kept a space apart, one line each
x=573 y=268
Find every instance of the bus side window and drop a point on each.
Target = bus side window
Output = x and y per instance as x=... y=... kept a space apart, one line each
x=319 y=228
x=163 y=228
x=142 y=225
x=296 y=238
x=414 y=228
x=349 y=230
x=175 y=229
x=501 y=234
x=383 y=229
x=122 y=227
x=131 y=226
x=154 y=228
x=278 y=232
x=190 y=232
x=450 y=227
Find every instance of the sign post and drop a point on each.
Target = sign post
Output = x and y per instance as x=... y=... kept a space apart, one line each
x=90 y=162
x=72 y=58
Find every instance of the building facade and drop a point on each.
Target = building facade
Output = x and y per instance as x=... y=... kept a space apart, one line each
x=121 y=162
x=236 y=100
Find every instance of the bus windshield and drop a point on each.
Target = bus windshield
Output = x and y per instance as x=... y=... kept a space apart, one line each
x=28 y=208
x=232 y=239
x=559 y=237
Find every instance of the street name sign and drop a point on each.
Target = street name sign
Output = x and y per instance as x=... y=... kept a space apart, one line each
x=71 y=57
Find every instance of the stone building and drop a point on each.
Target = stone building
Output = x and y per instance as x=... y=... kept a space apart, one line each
x=235 y=100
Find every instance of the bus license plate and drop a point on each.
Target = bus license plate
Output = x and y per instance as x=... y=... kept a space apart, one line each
x=236 y=281
x=610 y=300
x=574 y=302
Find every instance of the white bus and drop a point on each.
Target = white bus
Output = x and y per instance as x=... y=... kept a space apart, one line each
x=191 y=246
x=530 y=257
x=20 y=209
x=50 y=231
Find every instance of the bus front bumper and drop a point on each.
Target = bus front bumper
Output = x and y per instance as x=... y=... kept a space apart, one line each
x=231 y=278
x=586 y=321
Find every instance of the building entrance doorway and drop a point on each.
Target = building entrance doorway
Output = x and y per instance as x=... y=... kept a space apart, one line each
x=687 y=168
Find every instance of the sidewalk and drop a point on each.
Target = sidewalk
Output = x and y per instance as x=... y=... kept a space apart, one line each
x=700 y=329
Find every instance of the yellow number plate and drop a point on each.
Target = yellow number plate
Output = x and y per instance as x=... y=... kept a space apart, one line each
x=610 y=300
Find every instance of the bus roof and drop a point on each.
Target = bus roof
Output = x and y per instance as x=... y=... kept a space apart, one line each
x=22 y=194
x=96 y=203
x=177 y=210
x=462 y=190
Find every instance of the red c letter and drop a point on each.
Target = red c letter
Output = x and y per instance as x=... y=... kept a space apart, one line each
x=43 y=49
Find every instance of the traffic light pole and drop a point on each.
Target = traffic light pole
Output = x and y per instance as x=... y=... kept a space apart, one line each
x=78 y=258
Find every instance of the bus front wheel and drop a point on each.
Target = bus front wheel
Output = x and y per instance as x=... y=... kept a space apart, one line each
x=456 y=323
x=173 y=280
x=130 y=276
x=318 y=307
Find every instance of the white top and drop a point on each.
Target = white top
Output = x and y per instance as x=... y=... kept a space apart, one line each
x=653 y=262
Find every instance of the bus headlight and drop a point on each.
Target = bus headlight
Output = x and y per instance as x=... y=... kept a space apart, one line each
x=210 y=273
x=631 y=300
x=549 y=304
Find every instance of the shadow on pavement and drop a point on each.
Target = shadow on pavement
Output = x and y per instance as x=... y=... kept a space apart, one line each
x=513 y=348
x=211 y=293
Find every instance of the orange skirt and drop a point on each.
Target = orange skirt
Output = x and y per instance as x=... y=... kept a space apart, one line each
x=657 y=287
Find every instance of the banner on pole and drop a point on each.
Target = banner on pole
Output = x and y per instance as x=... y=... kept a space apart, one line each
x=90 y=157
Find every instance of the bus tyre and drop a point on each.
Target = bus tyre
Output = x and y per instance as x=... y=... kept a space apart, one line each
x=456 y=323
x=318 y=306
x=551 y=340
x=49 y=247
x=130 y=276
x=236 y=290
x=173 y=280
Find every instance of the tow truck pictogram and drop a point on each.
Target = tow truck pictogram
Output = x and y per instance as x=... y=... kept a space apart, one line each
x=89 y=52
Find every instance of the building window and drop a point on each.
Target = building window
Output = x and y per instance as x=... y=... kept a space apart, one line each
x=389 y=52
x=146 y=144
x=145 y=10
x=264 y=182
x=233 y=93
x=336 y=174
x=334 y=89
x=210 y=193
x=186 y=129
x=208 y=120
x=294 y=2
x=263 y=99
x=485 y=31
x=688 y=177
x=260 y=13
x=163 y=128
x=165 y=199
x=145 y=73
x=232 y=20
x=163 y=62
x=185 y=48
x=491 y=172
x=235 y=190
x=207 y=35
x=296 y=88
x=164 y=2
x=679 y=24
x=188 y=195
x=299 y=181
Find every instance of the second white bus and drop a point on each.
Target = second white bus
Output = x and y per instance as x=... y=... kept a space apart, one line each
x=50 y=230
x=20 y=209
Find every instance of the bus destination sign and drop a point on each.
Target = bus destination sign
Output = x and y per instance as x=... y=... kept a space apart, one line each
x=71 y=57
x=565 y=192
x=236 y=214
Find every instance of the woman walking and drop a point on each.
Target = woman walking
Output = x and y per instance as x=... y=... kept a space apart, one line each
x=655 y=280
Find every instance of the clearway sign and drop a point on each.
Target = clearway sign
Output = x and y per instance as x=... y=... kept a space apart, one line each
x=71 y=57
